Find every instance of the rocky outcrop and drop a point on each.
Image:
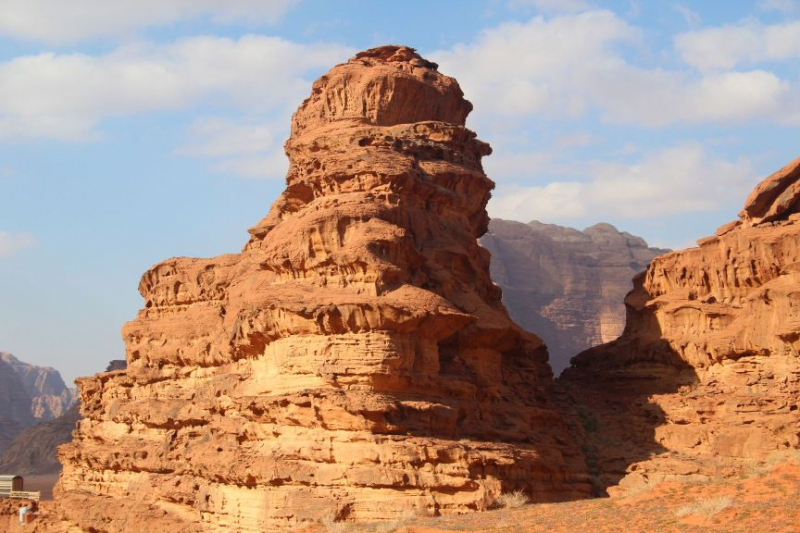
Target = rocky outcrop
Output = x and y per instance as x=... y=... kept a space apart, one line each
x=33 y=450
x=354 y=361
x=706 y=377
x=566 y=285
x=15 y=405
x=50 y=397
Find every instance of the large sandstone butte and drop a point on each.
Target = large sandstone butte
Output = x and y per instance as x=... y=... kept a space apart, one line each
x=705 y=380
x=565 y=284
x=354 y=361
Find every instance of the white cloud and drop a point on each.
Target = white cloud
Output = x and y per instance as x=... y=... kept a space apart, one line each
x=749 y=43
x=250 y=149
x=523 y=68
x=659 y=98
x=786 y=7
x=216 y=137
x=272 y=165
x=680 y=179
x=11 y=243
x=65 y=96
x=569 y=65
x=551 y=6
x=57 y=21
x=690 y=17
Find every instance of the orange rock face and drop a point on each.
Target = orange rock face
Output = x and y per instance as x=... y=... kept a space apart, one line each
x=354 y=361
x=706 y=376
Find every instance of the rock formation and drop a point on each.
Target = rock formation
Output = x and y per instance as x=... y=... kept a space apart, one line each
x=566 y=285
x=50 y=397
x=706 y=377
x=353 y=361
x=15 y=405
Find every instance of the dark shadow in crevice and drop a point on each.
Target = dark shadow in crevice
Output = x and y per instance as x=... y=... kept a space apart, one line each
x=607 y=394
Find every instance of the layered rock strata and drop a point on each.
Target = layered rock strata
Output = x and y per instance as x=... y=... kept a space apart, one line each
x=354 y=361
x=706 y=377
x=50 y=397
x=565 y=284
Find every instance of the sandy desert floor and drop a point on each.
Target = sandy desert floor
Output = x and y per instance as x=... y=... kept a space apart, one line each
x=763 y=501
x=766 y=500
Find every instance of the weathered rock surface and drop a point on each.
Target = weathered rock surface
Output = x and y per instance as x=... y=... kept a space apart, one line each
x=355 y=360
x=50 y=397
x=566 y=285
x=706 y=376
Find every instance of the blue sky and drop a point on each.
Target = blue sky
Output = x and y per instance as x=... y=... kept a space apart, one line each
x=133 y=131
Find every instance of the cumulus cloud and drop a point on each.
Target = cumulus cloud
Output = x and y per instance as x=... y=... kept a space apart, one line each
x=249 y=149
x=690 y=17
x=215 y=137
x=65 y=96
x=679 y=179
x=58 y=21
x=787 y=7
x=551 y=6
x=519 y=68
x=570 y=65
x=11 y=243
x=270 y=165
x=748 y=43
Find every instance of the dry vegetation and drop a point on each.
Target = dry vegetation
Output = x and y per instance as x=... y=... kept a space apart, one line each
x=512 y=500
x=765 y=502
x=707 y=508
x=332 y=525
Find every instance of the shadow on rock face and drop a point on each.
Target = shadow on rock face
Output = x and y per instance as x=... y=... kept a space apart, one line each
x=608 y=394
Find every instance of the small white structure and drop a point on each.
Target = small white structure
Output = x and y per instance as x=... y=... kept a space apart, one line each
x=9 y=484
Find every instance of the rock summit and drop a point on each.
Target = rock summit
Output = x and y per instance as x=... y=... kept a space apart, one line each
x=353 y=362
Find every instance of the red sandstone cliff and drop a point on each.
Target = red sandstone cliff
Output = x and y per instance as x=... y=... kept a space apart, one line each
x=566 y=285
x=706 y=377
x=355 y=360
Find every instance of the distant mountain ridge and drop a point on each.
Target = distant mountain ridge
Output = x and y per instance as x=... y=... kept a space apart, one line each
x=15 y=405
x=34 y=450
x=564 y=284
x=50 y=396
x=29 y=394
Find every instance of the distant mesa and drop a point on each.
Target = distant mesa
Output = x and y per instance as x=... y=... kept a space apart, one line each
x=564 y=284
x=353 y=363
x=116 y=364
x=33 y=450
x=49 y=394
x=29 y=394
x=705 y=379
